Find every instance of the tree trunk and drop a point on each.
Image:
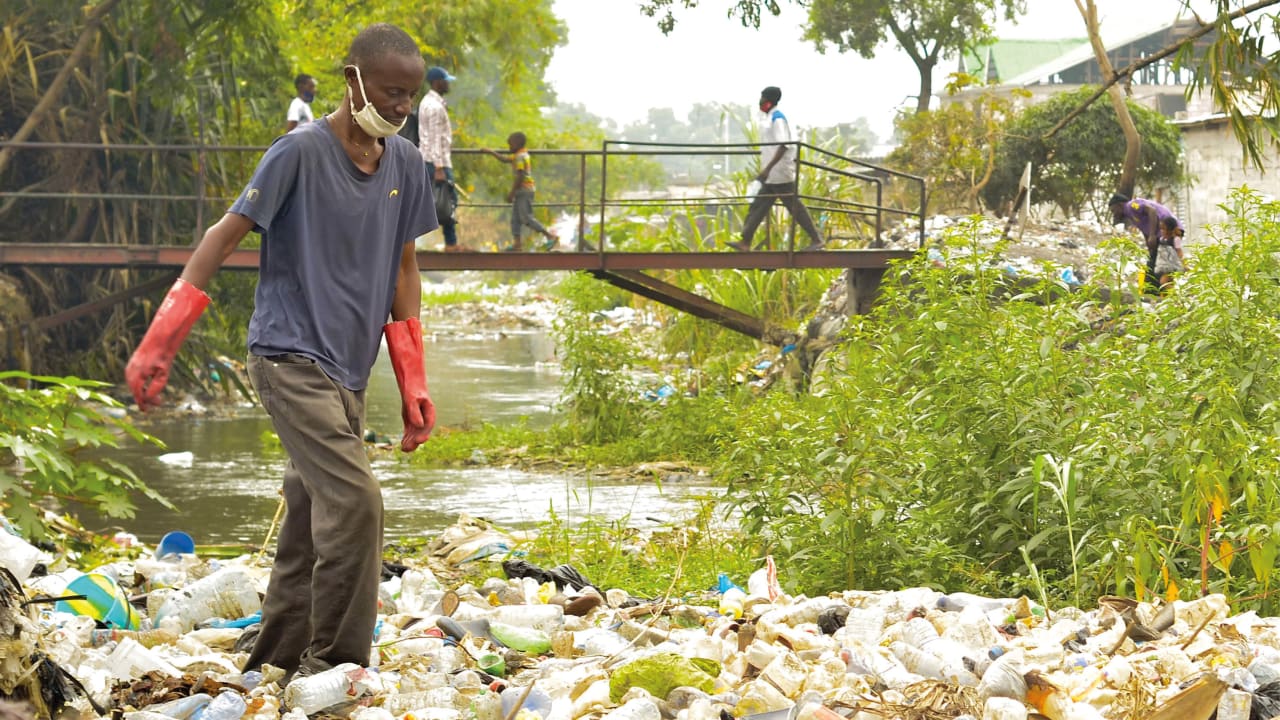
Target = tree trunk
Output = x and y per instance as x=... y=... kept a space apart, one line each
x=1132 y=140
x=925 y=66
x=54 y=91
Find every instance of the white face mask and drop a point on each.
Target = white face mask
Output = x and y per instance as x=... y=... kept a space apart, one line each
x=368 y=117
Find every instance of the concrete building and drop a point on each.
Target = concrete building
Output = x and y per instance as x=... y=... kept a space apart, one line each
x=1217 y=165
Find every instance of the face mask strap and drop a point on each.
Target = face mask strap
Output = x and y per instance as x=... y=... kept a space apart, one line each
x=360 y=81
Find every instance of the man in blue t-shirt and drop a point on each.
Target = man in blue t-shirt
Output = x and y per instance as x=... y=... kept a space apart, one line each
x=777 y=175
x=338 y=203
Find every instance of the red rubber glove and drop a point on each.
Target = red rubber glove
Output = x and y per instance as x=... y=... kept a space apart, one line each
x=148 y=368
x=404 y=344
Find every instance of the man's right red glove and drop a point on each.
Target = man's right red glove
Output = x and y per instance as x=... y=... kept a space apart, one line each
x=148 y=368
x=404 y=345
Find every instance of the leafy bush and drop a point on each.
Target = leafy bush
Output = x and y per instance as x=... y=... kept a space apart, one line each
x=974 y=442
x=1080 y=165
x=41 y=432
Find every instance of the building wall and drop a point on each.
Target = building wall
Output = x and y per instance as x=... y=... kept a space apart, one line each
x=1217 y=165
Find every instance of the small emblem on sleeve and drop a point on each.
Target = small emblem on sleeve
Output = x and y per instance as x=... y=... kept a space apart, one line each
x=251 y=195
x=393 y=193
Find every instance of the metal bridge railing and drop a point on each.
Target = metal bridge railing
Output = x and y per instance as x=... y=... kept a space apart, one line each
x=831 y=185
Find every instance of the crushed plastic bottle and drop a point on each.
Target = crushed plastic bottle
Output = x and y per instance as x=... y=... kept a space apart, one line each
x=338 y=685
x=227 y=593
x=537 y=701
x=227 y=706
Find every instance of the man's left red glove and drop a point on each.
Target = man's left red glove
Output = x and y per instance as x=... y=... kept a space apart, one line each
x=404 y=345
x=148 y=368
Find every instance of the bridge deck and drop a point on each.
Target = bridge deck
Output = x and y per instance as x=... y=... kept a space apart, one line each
x=174 y=257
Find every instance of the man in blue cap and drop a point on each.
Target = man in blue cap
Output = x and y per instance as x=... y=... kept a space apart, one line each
x=435 y=142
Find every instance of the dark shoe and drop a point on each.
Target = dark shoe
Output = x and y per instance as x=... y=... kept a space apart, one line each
x=739 y=246
x=512 y=248
x=813 y=247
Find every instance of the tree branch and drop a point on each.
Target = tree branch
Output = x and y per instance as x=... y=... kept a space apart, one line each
x=1204 y=29
x=42 y=108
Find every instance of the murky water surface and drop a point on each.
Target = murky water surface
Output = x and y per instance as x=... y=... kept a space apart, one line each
x=229 y=492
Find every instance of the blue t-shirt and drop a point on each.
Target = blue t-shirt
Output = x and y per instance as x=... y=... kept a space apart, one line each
x=332 y=238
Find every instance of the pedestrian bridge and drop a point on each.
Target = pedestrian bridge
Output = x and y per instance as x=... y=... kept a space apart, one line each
x=853 y=200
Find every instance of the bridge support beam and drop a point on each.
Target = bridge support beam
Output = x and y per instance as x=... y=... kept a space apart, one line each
x=864 y=288
x=663 y=292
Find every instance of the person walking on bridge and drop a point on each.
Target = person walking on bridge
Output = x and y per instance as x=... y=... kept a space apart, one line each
x=338 y=203
x=777 y=175
x=435 y=142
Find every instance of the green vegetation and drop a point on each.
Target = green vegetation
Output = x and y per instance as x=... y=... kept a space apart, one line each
x=1076 y=168
x=42 y=431
x=998 y=439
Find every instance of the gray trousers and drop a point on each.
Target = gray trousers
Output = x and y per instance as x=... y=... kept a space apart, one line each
x=522 y=215
x=322 y=599
x=786 y=194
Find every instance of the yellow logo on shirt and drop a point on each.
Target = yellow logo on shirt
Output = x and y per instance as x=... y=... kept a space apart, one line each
x=251 y=195
x=393 y=193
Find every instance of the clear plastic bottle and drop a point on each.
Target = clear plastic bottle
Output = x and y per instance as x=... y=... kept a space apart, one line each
x=228 y=593
x=636 y=709
x=1002 y=708
x=442 y=697
x=145 y=638
x=547 y=618
x=537 y=701
x=227 y=706
x=339 y=684
x=487 y=706
x=181 y=708
x=957 y=601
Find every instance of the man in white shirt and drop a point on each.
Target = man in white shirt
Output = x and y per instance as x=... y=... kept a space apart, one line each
x=777 y=175
x=435 y=142
x=300 y=107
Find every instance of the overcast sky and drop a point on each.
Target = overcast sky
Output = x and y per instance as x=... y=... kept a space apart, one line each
x=618 y=64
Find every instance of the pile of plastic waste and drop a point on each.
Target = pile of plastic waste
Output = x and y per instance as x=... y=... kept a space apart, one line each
x=163 y=636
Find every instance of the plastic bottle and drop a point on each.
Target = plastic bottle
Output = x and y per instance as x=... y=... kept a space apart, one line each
x=145 y=638
x=537 y=701
x=443 y=697
x=524 y=639
x=181 y=708
x=547 y=618
x=929 y=665
x=635 y=709
x=1235 y=705
x=339 y=684
x=957 y=601
x=18 y=555
x=732 y=602
x=228 y=593
x=1003 y=678
x=1002 y=708
x=227 y=706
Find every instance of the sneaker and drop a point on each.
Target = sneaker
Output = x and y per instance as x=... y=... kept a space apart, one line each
x=740 y=246
x=550 y=243
x=512 y=248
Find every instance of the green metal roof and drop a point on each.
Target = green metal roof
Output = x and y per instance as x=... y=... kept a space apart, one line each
x=1006 y=59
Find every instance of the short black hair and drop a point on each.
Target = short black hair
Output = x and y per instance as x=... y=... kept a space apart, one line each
x=1169 y=222
x=771 y=93
x=1118 y=199
x=378 y=40
x=302 y=79
x=519 y=137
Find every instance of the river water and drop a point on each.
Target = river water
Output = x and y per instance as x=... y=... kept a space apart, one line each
x=229 y=491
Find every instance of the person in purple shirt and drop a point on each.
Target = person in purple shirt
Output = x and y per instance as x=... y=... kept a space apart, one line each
x=1146 y=216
